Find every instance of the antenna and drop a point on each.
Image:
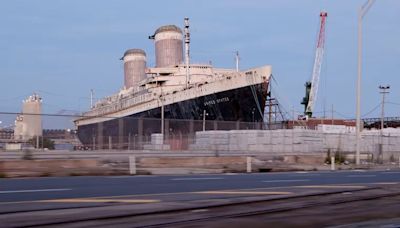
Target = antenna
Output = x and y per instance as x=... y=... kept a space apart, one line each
x=91 y=97
x=237 y=61
x=187 y=56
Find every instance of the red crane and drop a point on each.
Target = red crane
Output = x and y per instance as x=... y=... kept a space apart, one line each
x=312 y=86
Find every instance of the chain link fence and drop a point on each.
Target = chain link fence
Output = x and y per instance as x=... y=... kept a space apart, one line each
x=236 y=137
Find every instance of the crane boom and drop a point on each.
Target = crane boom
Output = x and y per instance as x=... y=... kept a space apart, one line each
x=312 y=86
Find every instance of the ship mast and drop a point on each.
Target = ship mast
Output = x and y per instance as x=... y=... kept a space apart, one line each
x=237 y=61
x=187 y=56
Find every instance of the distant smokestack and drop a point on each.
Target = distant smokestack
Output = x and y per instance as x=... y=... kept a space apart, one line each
x=168 y=44
x=134 y=67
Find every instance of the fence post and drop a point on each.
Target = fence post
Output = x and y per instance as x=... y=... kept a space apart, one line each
x=37 y=141
x=332 y=163
x=248 y=164
x=129 y=141
x=134 y=142
x=132 y=165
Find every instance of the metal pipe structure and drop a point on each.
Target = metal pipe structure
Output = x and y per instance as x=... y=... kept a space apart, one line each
x=187 y=53
x=361 y=13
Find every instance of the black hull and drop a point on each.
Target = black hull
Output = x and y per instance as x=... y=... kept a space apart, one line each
x=226 y=108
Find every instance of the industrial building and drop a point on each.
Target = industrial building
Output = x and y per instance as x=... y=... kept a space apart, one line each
x=29 y=123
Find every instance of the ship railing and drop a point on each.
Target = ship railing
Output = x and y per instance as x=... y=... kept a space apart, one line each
x=122 y=104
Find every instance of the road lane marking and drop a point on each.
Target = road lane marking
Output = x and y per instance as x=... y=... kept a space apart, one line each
x=278 y=181
x=393 y=172
x=132 y=176
x=119 y=177
x=386 y=183
x=242 y=189
x=35 y=190
x=197 y=178
x=199 y=210
x=97 y=200
x=331 y=186
x=305 y=175
x=244 y=193
x=361 y=176
x=347 y=193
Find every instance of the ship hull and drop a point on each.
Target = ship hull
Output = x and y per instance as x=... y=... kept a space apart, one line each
x=244 y=104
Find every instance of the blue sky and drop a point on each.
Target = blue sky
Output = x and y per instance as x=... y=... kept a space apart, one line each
x=64 y=48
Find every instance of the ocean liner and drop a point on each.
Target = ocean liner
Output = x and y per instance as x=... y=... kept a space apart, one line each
x=174 y=89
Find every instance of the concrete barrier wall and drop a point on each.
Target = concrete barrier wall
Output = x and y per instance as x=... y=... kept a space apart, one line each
x=184 y=165
x=34 y=168
x=277 y=141
x=292 y=141
x=144 y=165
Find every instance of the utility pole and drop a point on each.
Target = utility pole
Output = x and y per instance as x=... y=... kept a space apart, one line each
x=270 y=113
x=361 y=13
x=204 y=119
x=162 y=117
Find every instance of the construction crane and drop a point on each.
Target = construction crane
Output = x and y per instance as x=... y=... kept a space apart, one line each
x=312 y=86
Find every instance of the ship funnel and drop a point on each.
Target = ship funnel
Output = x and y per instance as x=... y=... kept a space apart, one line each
x=134 y=67
x=168 y=44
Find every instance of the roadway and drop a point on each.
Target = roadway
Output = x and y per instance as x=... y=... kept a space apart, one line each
x=45 y=188
x=113 y=195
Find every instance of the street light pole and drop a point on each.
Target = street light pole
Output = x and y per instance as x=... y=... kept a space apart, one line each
x=361 y=13
x=384 y=91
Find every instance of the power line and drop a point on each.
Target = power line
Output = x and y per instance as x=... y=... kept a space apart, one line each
x=372 y=110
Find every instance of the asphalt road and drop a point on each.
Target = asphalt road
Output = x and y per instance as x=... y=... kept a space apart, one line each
x=51 y=188
x=140 y=201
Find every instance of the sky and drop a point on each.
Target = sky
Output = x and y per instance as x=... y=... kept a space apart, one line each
x=62 y=49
